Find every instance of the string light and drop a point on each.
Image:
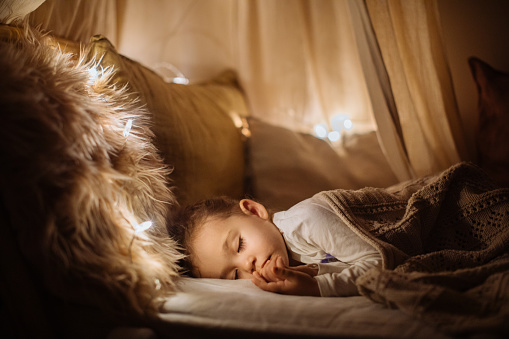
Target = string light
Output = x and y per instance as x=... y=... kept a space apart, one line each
x=320 y=130
x=128 y=127
x=125 y=133
x=334 y=136
x=142 y=227
x=170 y=73
x=94 y=72
x=339 y=123
x=180 y=80
x=138 y=228
x=241 y=123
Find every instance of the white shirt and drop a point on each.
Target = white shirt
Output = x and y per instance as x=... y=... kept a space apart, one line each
x=311 y=231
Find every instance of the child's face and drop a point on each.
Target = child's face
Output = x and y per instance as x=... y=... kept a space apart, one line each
x=235 y=247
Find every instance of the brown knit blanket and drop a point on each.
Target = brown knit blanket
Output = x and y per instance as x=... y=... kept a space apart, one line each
x=444 y=241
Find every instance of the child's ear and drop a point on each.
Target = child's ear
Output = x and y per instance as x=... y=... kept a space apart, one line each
x=249 y=207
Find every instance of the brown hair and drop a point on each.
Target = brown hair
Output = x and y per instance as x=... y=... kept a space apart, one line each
x=191 y=218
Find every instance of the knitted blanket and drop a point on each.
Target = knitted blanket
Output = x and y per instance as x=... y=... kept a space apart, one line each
x=444 y=241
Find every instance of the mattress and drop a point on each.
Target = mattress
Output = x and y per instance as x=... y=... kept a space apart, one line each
x=239 y=304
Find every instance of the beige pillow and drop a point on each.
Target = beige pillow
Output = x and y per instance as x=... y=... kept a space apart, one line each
x=192 y=125
x=287 y=167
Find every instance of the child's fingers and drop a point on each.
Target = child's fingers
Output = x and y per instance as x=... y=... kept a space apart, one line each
x=279 y=262
x=269 y=286
x=281 y=273
x=265 y=285
x=263 y=272
x=288 y=282
x=277 y=272
x=278 y=285
x=257 y=278
x=267 y=272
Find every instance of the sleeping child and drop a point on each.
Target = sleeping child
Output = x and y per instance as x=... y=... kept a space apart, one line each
x=435 y=247
x=306 y=250
x=420 y=235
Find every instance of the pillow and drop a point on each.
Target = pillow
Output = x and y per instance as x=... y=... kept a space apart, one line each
x=194 y=131
x=287 y=167
x=493 y=126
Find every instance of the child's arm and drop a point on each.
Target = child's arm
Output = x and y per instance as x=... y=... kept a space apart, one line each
x=275 y=277
x=339 y=279
x=333 y=279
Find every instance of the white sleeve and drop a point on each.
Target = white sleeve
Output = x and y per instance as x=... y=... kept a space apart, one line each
x=338 y=279
x=313 y=230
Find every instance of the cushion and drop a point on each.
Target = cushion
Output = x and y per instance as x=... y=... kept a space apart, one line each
x=493 y=125
x=194 y=131
x=286 y=167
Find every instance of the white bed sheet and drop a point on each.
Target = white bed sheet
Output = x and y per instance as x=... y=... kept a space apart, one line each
x=241 y=305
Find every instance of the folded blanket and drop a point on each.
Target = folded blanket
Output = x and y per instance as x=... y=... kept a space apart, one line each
x=444 y=241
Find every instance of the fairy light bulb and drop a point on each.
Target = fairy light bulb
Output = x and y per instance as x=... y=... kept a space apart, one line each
x=127 y=128
x=180 y=80
x=334 y=136
x=138 y=228
x=93 y=73
x=321 y=130
x=142 y=227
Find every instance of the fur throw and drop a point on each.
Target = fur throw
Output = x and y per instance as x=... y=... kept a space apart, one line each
x=75 y=185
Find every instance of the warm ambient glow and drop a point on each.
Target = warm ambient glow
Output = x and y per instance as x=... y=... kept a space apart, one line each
x=92 y=71
x=334 y=136
x=128 y=127
x=338 y=123
x=241 y=123
x=138 y=228
x=320 y=130
x=180 y=80
x=142 y=227
x=170 y=73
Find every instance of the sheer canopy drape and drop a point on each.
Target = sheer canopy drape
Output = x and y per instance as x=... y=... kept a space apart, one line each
x=297 y=59
x=410 y=40
x=300 y=62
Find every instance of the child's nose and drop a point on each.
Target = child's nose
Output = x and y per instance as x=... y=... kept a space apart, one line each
x=250 y=264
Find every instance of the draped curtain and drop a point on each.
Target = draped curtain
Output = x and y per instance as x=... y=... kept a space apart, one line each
x=411 y=44
x=300 y=62
x=297 y=60
x=77 y=20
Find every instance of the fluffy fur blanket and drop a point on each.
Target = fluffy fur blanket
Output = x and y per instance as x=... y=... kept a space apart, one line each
x=445 y=247
x=75 y=185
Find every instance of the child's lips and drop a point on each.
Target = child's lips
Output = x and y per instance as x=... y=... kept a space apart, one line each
x=265 y=262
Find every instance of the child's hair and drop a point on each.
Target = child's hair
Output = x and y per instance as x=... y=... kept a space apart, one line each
x=191 y=218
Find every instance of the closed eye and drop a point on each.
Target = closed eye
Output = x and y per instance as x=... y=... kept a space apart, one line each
x=242 y=245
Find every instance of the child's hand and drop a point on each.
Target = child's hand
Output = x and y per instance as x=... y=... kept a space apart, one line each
x=308 y=269
x=275 y=277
